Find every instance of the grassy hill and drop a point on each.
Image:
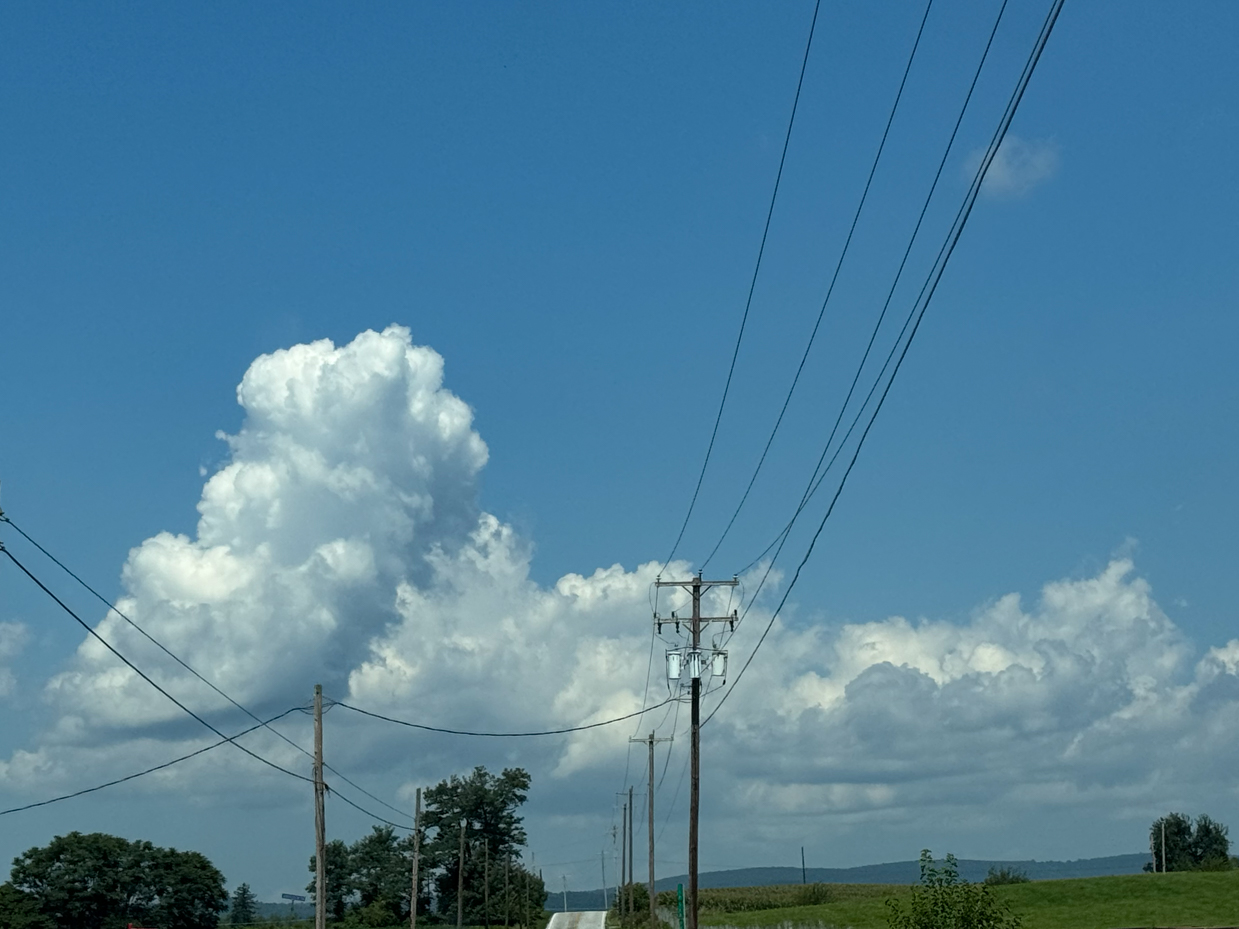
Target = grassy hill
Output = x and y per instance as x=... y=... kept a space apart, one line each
x=893 y=872
x=1116 y=902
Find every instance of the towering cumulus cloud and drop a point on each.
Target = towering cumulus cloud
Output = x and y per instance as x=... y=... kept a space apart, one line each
x=343 y=542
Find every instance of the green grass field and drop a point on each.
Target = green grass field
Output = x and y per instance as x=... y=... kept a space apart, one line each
x=1123 y=902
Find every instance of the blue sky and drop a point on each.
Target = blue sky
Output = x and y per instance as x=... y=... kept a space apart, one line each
x=564 y=202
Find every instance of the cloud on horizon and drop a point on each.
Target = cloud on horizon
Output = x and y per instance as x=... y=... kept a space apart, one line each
x=343 y=542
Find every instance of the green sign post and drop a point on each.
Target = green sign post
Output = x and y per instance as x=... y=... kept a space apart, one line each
x=679 y=900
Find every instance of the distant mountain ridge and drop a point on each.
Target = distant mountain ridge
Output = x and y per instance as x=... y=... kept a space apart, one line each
x=894 y=872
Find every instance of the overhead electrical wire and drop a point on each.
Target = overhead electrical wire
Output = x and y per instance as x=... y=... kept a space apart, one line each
x=819 y=474
x=142 y=674
x=935 y=277
x=748 y=303
x=834 y=279
x=500 y=735
x=151 y=770
x=4 y=517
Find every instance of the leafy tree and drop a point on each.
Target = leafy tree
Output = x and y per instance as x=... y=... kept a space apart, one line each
x=339 y=889
x=367 y=883
x=20 y=910
x=100 y=881
x=487 y=804
x=1210 y=845
x=242 y=909
x=943 y=901
x=1204 y=847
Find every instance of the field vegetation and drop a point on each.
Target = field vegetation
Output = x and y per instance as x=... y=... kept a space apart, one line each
x=1185 y=898
x=751 y=899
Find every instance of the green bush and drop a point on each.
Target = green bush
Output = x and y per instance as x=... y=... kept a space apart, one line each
x=943 y=901
x=1006 y=876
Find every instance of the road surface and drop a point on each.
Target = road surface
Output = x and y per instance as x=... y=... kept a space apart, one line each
x=588 y=919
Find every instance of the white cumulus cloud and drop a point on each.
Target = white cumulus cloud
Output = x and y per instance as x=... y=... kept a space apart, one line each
x=343 y=543
x=1018 y=166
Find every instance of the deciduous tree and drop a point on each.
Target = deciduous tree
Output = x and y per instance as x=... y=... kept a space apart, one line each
x=99 y=881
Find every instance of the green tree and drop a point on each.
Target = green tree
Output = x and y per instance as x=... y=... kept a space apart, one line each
x=1202 y=847
x=20 y=910
x=339 y=889
x=487 y=805
x=242 y=910
x=1210 y=845
x=100 y=881
x=1171 y=837
x=943 y=900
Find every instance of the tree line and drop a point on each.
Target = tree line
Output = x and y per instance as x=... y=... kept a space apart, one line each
x=472 y=838
x=471 y=842
x=1178 y=844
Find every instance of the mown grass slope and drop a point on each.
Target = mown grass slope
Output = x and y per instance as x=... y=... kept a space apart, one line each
x=1121 y=902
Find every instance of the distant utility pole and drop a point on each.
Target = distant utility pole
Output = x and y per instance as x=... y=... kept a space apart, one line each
x=565 y=877
x=417 y=855
x=602 y=855
x=619 y=891
x=694 y=657
x=486 y=882
x=320 y=817
x=804 y=875
x=650 y=740
x=632 y=903
x=460 y=879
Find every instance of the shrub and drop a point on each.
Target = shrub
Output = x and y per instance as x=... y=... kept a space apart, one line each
x=943 y=901
x=1006 y=876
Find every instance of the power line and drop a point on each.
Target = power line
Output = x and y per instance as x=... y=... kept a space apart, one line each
x=4 y=517
x=819 y=473
x=932 y=282
x=814 y=479
x=501 y=735
x=152 y=770
x=847 y=242
x=761 y=251
x=104 y=642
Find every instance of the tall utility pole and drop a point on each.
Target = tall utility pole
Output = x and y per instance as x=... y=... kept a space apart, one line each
x=320 y=817
x=650 y=740
x=632 y=903
x=695 y=661
x=417 y=855
x=603 y=858
x=460 y=879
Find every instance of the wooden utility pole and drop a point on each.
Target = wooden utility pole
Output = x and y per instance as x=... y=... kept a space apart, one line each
x=620 y=900
x=460 y=880
x=650 y=740
x=632 y=903
x=417 y=855
x=696 y=659
x=602 y=857
x=320 y=816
